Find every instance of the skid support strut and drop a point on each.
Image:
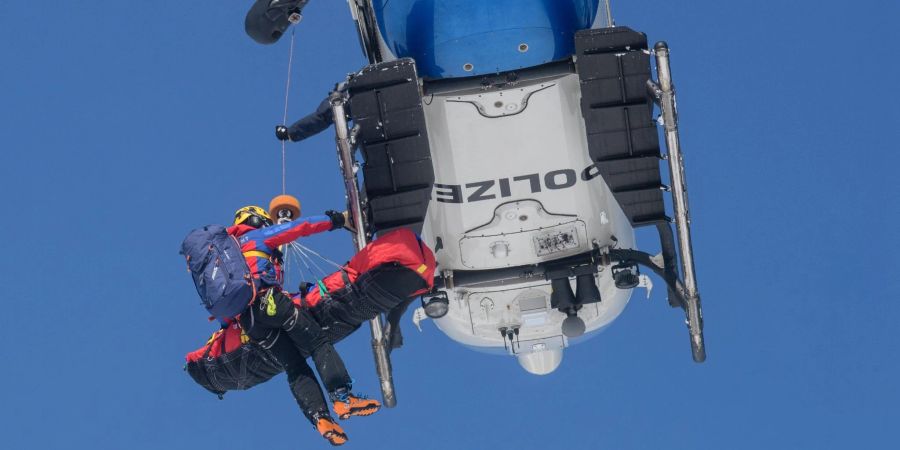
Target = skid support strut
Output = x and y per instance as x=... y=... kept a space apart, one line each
x=348 y=172
x=665 y=95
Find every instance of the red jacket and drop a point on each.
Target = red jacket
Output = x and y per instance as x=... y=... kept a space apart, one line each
x=259 y=244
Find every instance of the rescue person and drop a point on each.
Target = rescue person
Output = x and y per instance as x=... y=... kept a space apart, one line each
x=290 y=333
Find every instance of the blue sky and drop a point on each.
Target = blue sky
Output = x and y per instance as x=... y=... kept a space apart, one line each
x=123 y=125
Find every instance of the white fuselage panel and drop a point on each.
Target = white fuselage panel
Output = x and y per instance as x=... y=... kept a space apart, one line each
x=511 y=190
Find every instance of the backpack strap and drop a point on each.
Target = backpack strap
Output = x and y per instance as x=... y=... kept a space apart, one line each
x=249 y=279
x=257 y=253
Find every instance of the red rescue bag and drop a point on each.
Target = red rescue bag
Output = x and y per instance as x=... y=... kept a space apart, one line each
x=400 y=246
x=231 y=361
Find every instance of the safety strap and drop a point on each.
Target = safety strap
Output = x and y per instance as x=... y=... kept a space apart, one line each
x=224 y=337
x=422 y=267
x=212 y=341
x=323 y=291
x=255 y=292
x=209 y=344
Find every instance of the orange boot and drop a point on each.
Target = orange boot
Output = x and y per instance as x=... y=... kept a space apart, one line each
x=330 y=430
x=350 y=405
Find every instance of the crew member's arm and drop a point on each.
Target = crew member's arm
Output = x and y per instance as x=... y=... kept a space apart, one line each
x=312 y=124
x=278 y=235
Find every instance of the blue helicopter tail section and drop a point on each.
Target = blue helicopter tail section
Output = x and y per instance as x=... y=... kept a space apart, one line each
x=462 y=38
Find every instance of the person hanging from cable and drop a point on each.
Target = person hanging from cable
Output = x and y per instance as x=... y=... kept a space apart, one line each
x=291 y=333
x=387 y=274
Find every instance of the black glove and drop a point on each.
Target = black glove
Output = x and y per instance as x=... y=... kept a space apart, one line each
x=337 y=219
x=305 y=287
x=281 y=132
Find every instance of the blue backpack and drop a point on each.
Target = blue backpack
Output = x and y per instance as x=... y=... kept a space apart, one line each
x=220 y=272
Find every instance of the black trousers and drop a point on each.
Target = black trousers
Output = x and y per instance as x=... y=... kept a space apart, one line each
x=377 y=291
x=292 y=335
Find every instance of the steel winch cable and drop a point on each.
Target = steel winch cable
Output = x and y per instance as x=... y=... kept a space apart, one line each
x=305 y=252
x=307 y=249
x=298 y=256
x=287 y=94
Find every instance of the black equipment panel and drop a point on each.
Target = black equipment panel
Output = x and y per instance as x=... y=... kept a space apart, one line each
x=613 y=65
x=386 y=103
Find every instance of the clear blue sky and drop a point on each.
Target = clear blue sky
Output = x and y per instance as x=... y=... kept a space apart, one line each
x=125 y=124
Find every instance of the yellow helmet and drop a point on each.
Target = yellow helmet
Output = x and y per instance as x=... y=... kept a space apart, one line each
x=254 y=216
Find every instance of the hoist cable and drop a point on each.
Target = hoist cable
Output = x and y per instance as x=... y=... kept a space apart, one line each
x=287 y=94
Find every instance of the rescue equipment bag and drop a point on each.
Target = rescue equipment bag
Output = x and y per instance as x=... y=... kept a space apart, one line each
x=219 y=271
x=231 y=361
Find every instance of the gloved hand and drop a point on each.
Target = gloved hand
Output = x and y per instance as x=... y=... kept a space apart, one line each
x=337 y=219
x=281 y=132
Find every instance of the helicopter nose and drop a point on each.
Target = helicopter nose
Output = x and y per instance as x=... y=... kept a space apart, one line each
x=541 y=362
